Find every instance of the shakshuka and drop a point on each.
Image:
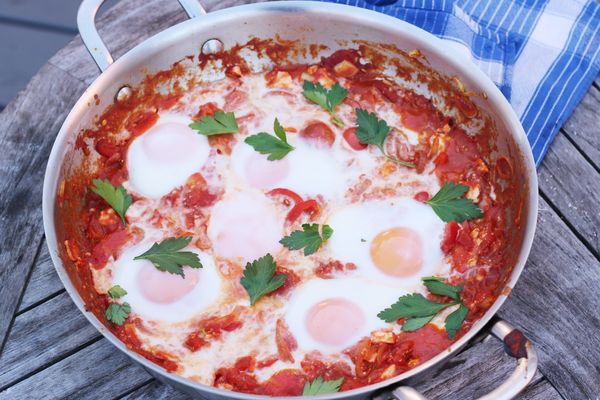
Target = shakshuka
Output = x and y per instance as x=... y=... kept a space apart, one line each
x=298 y=228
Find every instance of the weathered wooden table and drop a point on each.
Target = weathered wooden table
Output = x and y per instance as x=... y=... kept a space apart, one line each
x=49 y=350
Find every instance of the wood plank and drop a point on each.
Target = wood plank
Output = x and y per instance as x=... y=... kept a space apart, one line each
x=573 y=186
x=23 y=57
x=583 y=126
x=98 y=371
x=42 y=336
x=542 y=390
x=28 y=125
x=157 y=391
x=43 y=282
x=555 y=303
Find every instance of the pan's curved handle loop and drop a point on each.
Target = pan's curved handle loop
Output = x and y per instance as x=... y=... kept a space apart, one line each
x=86 y=23
x=516 y=345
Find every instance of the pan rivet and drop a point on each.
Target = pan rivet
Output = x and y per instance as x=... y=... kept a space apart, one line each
x=123 y=94
x=212 y=46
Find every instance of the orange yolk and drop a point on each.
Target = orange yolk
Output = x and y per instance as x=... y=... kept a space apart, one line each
x=397 y=252
x=334 y=321
x=169 y=142
x=164 y=287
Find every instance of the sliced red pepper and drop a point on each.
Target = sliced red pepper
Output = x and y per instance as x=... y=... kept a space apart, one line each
x=310 y=206
x=300 y=206
x=286 y=192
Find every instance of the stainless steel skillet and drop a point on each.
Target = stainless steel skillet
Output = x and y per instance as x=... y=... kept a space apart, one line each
x=309 y=22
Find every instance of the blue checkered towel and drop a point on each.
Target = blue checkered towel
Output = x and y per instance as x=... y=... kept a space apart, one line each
x=542 y=54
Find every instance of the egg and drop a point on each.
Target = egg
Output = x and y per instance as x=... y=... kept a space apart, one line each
x=395 y=241
x=245 y=225
x=308 y=170
x=161 y=296
x=165 y=156
x=330 y=315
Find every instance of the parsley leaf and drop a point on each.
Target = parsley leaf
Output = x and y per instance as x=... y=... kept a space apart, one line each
x=116 y=291
x=276 y=146
x=372 y=130
x=116 y=197
x=166 y=255
x=320 y=386
x=309 y=237
x=412 y=324
x=259 y=278
x=449 y=204
x=437 y=286
x=455 y=320
x=117 y=313
x=411 y=306
x=418 y=311
x=328 y=99
x=216 y=125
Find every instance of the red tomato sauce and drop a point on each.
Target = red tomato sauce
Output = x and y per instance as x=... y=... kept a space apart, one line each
x=90 y=236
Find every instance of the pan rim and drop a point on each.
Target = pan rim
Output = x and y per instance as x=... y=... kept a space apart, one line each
x=173 y=34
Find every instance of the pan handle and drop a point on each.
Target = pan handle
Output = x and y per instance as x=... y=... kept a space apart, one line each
x=86 y=23
x=516 y=345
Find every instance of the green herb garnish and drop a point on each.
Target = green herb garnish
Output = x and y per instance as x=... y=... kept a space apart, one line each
x=116 y=197
x=166 y=255
x=372 y=130
x=276 y=146
x=259 y=278
x=449 y=204
x=328 y=99
x=218 y=124
x=308 y=238
x=418 y=311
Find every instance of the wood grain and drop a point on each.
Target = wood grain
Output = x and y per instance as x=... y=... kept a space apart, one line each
x=556 y=304
x=28 y=125
x=156 y=391
x=43 y=282
x=542 y=390
x=583 y=126
x=43 y=336
x=572 y=185
x=98 y=371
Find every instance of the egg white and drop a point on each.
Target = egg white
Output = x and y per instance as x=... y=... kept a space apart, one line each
x=309 y=170
x=205 y=293
x=356 y=225
x=370 y=297
x=245 y=225
x=152 y=177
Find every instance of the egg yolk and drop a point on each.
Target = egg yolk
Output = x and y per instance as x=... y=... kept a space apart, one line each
x=164 y=287
x=334 y=321
x=397 y=252
x=263 y=174
x=169 y=142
